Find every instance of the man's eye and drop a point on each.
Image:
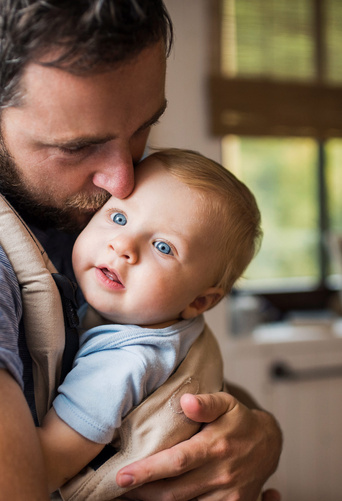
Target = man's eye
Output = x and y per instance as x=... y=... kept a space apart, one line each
x=163 y=247
x=74 y=150
x=118 y=218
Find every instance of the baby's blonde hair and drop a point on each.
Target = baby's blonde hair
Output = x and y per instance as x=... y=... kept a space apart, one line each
x=232 y=203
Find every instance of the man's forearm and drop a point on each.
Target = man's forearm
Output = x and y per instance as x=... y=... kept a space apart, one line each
x=21 y=461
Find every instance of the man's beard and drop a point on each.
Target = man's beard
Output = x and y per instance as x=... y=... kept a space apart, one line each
x=75 y=214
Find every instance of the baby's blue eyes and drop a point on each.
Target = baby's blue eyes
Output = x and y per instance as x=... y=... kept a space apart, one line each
x=118 y=218
x=163 y=247
x=121 y=219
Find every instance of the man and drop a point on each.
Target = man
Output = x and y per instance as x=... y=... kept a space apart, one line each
x=82 y=82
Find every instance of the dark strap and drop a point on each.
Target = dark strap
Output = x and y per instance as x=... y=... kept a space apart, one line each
x=67 y=290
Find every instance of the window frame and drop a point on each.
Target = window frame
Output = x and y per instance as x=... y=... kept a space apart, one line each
x=234 y=108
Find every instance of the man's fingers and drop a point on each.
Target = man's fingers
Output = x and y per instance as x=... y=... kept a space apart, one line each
x=185 y=456
x=198 y=468
x=183 y=488
x=169 y=463
x=207 y=408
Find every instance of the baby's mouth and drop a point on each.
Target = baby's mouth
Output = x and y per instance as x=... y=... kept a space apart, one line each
x=111 y=275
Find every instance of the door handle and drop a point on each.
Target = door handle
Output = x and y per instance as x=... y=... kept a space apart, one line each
x=282 y=371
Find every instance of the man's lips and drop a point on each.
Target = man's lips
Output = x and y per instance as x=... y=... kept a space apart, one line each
x=109 y=277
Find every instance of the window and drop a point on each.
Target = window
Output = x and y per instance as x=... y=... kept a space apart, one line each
x=276 y=101
x=281 y=174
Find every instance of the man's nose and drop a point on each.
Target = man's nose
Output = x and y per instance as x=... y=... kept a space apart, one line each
x=125 y=247
x=115 y=173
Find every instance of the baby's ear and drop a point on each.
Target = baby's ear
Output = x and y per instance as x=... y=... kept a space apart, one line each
x=203 y=302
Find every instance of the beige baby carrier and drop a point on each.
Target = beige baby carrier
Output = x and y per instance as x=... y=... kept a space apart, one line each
x=156 y=424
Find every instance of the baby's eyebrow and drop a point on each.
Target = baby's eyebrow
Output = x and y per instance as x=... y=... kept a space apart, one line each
x=112 y=209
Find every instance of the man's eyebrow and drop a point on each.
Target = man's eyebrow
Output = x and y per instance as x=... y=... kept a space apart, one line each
x=154 y=119
x=78 y=142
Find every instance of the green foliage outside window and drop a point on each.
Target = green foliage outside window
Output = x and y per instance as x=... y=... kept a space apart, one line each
x=281 y=174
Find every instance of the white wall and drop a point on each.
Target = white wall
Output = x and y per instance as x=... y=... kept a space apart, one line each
x=185 y=123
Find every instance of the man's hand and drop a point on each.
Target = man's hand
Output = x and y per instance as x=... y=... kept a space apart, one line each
x=229 y=459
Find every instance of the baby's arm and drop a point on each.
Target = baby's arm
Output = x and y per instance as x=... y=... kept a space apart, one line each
x=65 y=451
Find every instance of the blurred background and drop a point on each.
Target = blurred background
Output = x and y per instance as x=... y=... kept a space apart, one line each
x=257 y=86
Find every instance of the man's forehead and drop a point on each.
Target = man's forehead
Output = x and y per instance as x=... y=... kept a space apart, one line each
x=151 y=58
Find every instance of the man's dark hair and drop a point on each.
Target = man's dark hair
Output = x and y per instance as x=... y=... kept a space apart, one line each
x=85 y=35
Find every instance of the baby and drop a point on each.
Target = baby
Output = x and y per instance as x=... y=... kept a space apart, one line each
x=150 y=265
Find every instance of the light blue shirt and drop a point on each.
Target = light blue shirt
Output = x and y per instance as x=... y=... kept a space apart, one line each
x=116 y=367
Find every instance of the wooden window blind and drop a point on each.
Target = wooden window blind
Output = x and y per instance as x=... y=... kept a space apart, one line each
x=280 y=68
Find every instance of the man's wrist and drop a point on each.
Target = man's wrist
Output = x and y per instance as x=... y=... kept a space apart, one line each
x=273 y=438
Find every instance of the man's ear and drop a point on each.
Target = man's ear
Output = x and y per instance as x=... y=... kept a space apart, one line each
x=203 y=302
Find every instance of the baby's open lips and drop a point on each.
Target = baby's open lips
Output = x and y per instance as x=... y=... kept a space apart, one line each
x=111 y=275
